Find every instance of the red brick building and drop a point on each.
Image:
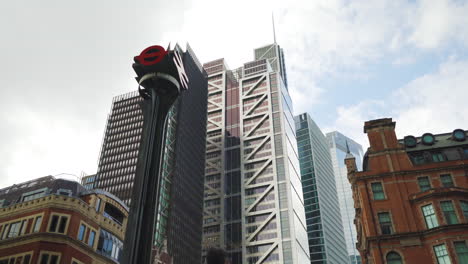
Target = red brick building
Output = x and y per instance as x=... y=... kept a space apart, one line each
x=411 y=198
x=52 y=221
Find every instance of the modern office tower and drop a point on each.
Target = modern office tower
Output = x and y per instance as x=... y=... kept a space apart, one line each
x=411 y=196
x=181 y=187
x=253 y=195
x=339 y=146
x=88 y=181
x=324 y=227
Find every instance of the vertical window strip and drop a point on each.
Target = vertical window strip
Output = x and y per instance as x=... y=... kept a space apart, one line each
x=449 y=212
x=446 y=180
x=462 y=252
x=464 y=207
x=442 y=254
x=430 y=216
x=385 y=223
x=424 y=183
x=377 y=190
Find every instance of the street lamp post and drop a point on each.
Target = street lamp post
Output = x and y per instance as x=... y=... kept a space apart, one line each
x=161 y=78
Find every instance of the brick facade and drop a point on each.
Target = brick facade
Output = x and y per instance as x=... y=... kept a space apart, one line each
x=404 y=210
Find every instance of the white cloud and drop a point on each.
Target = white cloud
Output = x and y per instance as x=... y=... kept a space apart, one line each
x=351 y=119
x=64 y=61
x=303 y=98
x=432 y=103
x=439 y=23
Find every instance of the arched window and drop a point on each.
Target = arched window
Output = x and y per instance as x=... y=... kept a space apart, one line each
x=394 y=258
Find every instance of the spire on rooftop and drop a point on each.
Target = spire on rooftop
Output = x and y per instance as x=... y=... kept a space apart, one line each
x=348 y=152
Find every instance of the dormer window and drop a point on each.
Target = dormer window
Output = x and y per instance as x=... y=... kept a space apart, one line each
x=437 y=157
x=428 y=139
x=33 y=195
x=410 y=141
x=418 y=158
x=459 y=135
x=65 y=192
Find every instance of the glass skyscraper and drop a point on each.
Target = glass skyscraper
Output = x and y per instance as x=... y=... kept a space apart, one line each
x=324 y=228
x=339 y=145
x=253 y=205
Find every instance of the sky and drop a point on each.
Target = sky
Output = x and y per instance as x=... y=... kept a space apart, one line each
x=347 y=62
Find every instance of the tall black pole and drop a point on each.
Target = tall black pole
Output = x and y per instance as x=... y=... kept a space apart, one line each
x=160 y=93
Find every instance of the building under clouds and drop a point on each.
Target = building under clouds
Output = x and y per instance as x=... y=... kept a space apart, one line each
x=340 y=145
x=254 y=206
x=322 y=210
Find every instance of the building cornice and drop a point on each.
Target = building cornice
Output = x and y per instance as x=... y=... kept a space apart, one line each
x=420 y=234
x=358 y=176
x=65 y=203
x=438 y=192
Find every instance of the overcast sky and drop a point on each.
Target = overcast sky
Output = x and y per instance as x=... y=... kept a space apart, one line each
x=347 y=62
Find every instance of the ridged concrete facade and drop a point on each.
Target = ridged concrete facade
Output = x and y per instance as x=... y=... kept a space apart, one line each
x=253 y=195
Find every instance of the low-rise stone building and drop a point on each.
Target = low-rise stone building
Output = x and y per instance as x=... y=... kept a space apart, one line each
x=52 y=221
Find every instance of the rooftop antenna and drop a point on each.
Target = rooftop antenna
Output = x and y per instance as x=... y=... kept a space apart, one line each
x=274 y=31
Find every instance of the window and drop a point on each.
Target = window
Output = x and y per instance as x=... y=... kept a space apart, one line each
x=394 y=258
x=49 y=258
x=24 y=224
x=424 y=183
x=27 y=259
x=449 y=212
x=24 y=258
x=437 y=157
x=92 y=235
x=37 y=224
x=430 y=216
x=464 y=207
x=385 y=223
x=65 y=192
x=53 y=223
x=446 y=180
x=75 y=261
x=462 y=252
x=5 y=232
x=14 y=229
x=63 y=223
x=81 y=232
x=418 y=158
x=98 y=204
x=442 y=254
x=109 y=245
x=377 y=190
x=33 y=195
x=58 y=224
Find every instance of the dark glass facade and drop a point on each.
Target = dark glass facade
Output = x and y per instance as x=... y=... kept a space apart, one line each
x=179 y=216
x=324 y=227
x=185 y=218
